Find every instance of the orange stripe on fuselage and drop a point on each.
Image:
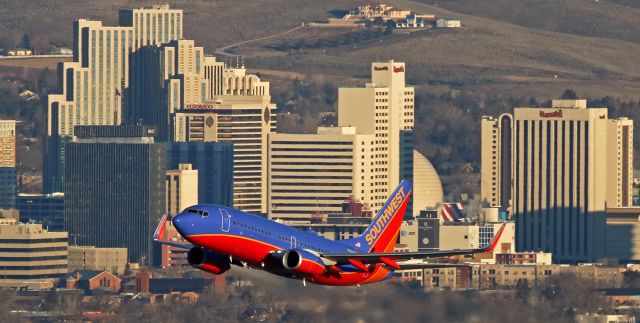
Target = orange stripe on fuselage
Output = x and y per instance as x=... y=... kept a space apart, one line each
x=254 y=255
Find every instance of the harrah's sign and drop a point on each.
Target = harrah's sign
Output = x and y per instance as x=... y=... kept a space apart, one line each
x=552 y=114
x=396 y=69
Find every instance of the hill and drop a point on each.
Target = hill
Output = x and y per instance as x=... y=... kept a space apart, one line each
x=611 y=19
x=508 y=53
x=537 y=46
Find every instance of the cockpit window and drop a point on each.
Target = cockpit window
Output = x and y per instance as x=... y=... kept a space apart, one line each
x=198 y=212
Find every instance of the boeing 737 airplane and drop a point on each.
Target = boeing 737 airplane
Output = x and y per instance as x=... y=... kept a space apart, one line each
x=221 y=236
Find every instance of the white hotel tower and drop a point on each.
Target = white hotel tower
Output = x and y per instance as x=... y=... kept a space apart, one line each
x=365 y=157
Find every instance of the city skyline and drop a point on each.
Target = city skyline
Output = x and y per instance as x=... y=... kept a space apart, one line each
x=529 y=195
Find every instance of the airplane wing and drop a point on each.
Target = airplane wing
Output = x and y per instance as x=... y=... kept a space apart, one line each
x=158 y=235
x=391 y=258
x=424 y=265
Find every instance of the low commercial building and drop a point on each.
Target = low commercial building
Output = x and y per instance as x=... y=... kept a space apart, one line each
x=31 y=256
x=46 y=209
x=489 y=276
x=19 y=52
x=456 y=235
x=92 y=280
x=623 y=234
x=10 y=214
x=102 y=259
x=448 y=277
x=519 y=258
x=448 y=23
x=411 y=21
x=171 y=256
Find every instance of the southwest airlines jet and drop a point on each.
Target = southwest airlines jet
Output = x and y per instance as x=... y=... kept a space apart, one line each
x=221 y=236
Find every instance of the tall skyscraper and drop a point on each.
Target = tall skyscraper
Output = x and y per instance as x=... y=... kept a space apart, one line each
x=100 y=86
x=115 y=188
x=174 y=76
x=620 y=163
x=562 y=175
x=214 y=163
x=383 y=108
x=244 y=116
x=496 y=185
x=8 y=173
x=365 y=157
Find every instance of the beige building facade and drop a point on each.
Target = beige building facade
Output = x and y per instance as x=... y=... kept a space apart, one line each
x=383 y=108
x=488 y=276
x=113 y=260
x=30 y=255
x=102 y=84
x=182 y=188
x=244 y=120
x=551 y=169
x=472 y=236
x=195 y=98
x=620 y=163
x=8 y=143
x=316 y=173
x=495 y=174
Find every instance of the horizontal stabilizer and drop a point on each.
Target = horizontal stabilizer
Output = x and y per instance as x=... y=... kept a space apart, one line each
x=387 y=257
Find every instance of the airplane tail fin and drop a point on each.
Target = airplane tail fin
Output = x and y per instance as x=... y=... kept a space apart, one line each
x=382 y=234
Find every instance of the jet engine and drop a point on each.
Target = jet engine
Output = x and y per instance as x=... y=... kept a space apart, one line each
x=304 y=262
x=208 y=261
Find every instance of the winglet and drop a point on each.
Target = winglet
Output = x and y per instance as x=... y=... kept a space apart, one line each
x=494 y=242
x=159 y=233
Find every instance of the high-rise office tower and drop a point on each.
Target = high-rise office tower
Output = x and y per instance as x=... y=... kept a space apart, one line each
x=115 y=188
x=174 y=76
x=561 y=175
x=8 y=174
x=102 y=84
x=620 y=162
x=214 y=163
x=383 y=108
x=496 y=187
x=244 y=121
x=182 y=88
x=364 y=158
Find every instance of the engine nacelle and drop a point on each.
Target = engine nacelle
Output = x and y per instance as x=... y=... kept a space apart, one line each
x=303 y=262
x=208 y=261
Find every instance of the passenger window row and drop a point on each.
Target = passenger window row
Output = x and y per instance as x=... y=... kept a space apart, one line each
x=249 y=227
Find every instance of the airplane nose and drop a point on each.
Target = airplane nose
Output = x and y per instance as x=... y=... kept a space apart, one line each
x=179 y=222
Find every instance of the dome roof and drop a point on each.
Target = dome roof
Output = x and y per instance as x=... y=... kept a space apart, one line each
x=427 y=188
